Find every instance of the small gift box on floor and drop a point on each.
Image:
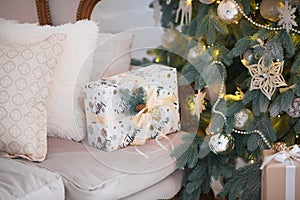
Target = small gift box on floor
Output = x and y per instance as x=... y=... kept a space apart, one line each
x=129 y=108
x=281 y=174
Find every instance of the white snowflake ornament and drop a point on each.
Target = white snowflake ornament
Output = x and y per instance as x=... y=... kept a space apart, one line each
x=266 y=78
x=287 y=17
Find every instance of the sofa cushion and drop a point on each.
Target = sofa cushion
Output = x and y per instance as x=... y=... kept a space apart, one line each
x=26 y=73
x=24 y=182
x=89 y=173
x=65 y=113
x=165 y=189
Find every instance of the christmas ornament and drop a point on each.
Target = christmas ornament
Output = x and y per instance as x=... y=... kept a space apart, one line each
x=168 y=2
x=227 y=11
x=280 y=146
x=294 y=110
x=185 y=8
x=265 y=78
x=247 y=58
x=287 y=17
x=224 y=116
x=168 y=38
x=220 y=143
x=242 y=118
x=237 y=96
x=207 y=1
x=258 y=24
x=156 y=12
x=269 y=9
x=196 y=51
x=199 y=106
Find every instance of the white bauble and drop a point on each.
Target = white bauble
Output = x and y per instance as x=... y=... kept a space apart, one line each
x=242 y=118
x=227 y=11
x=219 y=143
x=196 y=51
x=207 y=1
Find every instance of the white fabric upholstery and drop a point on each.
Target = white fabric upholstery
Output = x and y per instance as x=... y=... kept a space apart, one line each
x=89 y=173
x=165 y=189
x=24 y=182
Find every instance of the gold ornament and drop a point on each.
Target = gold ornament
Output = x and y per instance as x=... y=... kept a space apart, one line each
x=287 y=17
x=227 y=11
x=238 y=95
x=269 y=9
x=267 y=79
x=280 y=146
x=207 y=1
x=247 y=58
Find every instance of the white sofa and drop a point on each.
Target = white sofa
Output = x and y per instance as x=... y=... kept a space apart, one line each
x=75 y=170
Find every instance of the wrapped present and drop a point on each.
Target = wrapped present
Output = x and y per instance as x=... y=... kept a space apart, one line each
x=281 y=174
x=129 y=108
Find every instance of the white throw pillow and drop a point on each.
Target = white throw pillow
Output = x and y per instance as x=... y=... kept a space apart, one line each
x=26 y=73
x=65 y=115
x=112 y=55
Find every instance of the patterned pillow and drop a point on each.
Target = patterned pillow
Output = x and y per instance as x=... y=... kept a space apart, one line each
x=25 y=76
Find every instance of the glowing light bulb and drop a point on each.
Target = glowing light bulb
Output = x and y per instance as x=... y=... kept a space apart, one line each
x=189 y=2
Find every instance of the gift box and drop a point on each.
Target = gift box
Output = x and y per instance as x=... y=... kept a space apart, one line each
x=281 y=175
x=129 y=108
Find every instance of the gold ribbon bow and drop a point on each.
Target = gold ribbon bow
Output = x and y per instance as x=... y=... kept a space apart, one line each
x=143 y=118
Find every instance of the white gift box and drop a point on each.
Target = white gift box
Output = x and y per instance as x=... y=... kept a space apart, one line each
x=129 y=108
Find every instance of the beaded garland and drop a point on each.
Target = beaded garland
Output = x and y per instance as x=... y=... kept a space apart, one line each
x=223 y=115
x=260 y=25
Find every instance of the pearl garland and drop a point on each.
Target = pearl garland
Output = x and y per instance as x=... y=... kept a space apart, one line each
x=220 y=96
x=257 y=24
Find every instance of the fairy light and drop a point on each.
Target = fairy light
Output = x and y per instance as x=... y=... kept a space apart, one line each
x=244 y=62
x=216 y=52
x=218 y=2
x=157 y=59
x=189 y=2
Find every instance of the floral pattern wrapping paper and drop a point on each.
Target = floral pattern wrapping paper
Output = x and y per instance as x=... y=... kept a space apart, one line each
x=129 y=108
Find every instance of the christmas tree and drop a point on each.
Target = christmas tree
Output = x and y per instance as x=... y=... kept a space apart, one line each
x=242 y=59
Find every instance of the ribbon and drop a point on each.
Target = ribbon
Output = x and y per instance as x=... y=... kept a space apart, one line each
x=97 y=118
x=143 y=118
x=287 y=156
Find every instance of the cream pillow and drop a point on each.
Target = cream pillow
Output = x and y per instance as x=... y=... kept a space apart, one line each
x=65 y=115
x=25 y=77
x=112 y=55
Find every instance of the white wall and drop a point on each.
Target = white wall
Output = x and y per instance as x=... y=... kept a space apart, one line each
x=134 y=16
x=21 y=10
